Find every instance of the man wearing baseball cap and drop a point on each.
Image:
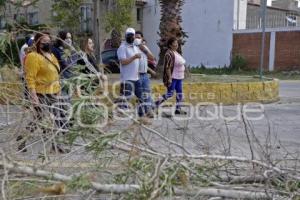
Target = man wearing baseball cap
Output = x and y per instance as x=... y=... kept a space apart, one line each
x=129 y=56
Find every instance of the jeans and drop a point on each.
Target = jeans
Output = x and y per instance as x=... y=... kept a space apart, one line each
x=128 y=90
x=146 y=92
x=175 y=86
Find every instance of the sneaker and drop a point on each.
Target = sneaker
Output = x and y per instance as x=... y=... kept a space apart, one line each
x=180 y=112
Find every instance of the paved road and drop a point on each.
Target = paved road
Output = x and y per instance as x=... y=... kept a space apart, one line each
x=289 y=91
x=279 y=128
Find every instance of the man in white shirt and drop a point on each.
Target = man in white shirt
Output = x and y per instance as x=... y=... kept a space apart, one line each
x=129 y=56
x=22 y=54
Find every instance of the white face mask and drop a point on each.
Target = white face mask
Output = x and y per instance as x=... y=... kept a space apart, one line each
x=137 y=41
x=68 y=41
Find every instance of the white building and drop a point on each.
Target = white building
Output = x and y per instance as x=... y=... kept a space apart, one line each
x=240 y=14
x=209 y=25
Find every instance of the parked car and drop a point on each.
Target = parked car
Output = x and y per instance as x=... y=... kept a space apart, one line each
x=110 y=59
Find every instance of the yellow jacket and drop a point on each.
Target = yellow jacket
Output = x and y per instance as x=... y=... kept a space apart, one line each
x=41 y=75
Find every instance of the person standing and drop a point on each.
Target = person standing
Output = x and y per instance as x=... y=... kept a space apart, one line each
x=173 y=75
x=143 y=74
x=90 y=63
x=62 y=43
x=28 y=42
x=42 y=78
x=129 y=56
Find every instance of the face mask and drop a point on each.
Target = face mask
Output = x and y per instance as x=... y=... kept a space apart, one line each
x=130 y=39
x=137 y=41
x=46 y=47
x=68 y=41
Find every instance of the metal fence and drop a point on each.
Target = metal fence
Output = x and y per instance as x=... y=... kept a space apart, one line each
x=276 y=20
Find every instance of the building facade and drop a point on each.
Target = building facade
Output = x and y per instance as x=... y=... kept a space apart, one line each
x=41 y=13
x=208 y=24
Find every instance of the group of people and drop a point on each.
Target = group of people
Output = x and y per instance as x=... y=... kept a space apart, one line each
x=133 y=55
x=46 y=63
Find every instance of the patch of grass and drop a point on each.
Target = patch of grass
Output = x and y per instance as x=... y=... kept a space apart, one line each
x=281 y=75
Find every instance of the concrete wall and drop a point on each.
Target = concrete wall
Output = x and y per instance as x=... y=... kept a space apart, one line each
x=209 y=25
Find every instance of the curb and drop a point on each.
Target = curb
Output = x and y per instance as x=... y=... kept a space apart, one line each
x=227 y=93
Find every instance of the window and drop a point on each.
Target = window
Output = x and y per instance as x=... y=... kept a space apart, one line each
x=291 y=20
x=139 y=14
x=2 y=22
x=33 y=18
x=20 y=18
x=86 y=18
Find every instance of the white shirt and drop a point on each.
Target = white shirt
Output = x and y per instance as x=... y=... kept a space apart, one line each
x=143 y=68
x=179 y=68
x=129 y=72
x=22 y=54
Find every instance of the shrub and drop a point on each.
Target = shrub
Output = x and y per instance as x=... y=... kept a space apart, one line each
x=238 y=63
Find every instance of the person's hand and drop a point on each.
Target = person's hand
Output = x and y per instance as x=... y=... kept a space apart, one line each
x=137 y=56
x=143 y=48
x=35 y=100
x=169 y=82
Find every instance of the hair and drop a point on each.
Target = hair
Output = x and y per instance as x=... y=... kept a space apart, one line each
x=37 y=40
x=140 y=33
x=27 y=38
x=85 y=43
x=61 y=36
x=170 y=41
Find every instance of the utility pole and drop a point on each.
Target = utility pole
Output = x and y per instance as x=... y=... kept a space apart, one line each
x=263 y=20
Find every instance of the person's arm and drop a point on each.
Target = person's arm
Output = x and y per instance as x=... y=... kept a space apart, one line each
x=152 y=72
x=168 y=68
x=147 y=51
x=123 y=58
x=130 y=60
x=31 y=69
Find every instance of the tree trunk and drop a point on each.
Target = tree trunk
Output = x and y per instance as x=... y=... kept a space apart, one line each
x=170 y=26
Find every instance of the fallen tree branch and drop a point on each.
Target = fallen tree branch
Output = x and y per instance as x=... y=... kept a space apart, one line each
x=213 y=192
x=118 y=189
x=105 y=188
x=234 y=158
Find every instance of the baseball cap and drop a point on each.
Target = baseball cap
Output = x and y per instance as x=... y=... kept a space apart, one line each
x=130 y=31
x=30 y=41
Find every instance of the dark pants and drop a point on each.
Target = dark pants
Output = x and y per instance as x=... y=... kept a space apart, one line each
x=128 y=90
x=175 y=86
x=48 y=103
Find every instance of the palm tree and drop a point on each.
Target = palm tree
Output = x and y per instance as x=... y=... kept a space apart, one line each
x=170 y=26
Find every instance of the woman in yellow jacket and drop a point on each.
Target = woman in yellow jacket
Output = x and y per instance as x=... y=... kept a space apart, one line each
x=42 y=78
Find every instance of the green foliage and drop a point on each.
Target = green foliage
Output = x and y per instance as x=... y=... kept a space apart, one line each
x=2 y=3
x=238 y=63
x=217 y=70
x=67 y=14
x=9 y=49
x=101 y=143
x=119 y=16
x=80 y=182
